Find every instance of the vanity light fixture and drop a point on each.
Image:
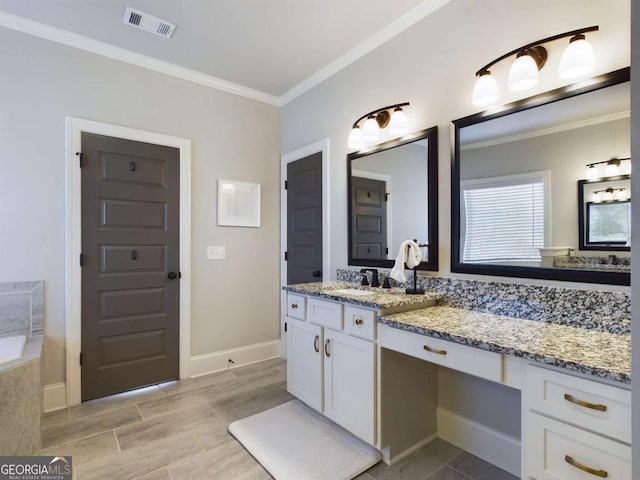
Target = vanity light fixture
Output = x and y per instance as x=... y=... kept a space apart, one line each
x=376 y=120
x=612 y=168
x=610 y=195
x=576 y=62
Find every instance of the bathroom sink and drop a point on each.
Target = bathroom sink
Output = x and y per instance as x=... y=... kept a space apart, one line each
x=353 y=291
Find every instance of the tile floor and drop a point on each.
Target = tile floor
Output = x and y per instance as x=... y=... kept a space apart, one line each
x=178 y=430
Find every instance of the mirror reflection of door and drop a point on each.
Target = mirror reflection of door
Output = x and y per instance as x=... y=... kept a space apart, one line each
x=369 y=210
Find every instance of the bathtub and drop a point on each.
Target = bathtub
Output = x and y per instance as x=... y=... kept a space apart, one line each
x=21 y=395
x=11 y=348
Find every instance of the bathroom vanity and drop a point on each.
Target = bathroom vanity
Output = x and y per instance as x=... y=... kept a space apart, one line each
x=369 y=361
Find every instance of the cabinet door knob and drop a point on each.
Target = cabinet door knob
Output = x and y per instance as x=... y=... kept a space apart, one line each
x=584 y=468
x=434 y=350
x=582 y=403
x=359 y=321
x=316 y=343
x=326 y=348
x=294 y=306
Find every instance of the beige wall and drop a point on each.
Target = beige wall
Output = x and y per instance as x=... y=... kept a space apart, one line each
x=232 y=137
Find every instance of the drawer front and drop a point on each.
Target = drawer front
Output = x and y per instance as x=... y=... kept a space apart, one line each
x=296 y=306
x=360 y=322
x=448 y=354
x=557 y=451
x=603 y=409
x=327 y=314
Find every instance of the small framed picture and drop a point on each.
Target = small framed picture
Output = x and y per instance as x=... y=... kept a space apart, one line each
x=238 y=203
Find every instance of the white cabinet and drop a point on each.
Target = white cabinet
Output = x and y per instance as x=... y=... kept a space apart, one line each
x=304 y=365
x=574 y=428
x=349 y=383
x=331 y=370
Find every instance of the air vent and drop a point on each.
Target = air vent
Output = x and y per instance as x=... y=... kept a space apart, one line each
x=148 y=23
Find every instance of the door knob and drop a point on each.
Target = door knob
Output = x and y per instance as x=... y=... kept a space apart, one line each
x=316 y=273
x=172 y=275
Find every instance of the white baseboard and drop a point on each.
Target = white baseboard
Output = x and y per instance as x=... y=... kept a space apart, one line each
x=396 y=458
x=480 y=440
x=217 y=361
x=55 y=396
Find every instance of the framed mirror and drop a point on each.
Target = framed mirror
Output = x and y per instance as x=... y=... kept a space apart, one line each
x=604 y=208
x=393 y=196
x=515 y=169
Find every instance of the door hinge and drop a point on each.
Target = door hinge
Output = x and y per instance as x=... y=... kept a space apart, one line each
x=80 y=358
x=286 y=256
x=386 y=250
x=81 y=260
x=386 y=197
x=286 y=184
x=285 y=326
x=79 y=155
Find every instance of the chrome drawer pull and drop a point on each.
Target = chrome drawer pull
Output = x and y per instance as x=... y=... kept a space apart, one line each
x=326 y=348
x=359 y=321
x=316 y=346
x=294 y=306
x=584 y=468
x=434 y=350
x=582 y=403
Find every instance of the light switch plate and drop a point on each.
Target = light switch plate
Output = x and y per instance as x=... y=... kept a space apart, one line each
x=216 y=252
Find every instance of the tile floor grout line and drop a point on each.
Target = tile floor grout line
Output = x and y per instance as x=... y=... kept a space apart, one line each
x=117 y=441
x=460 y=472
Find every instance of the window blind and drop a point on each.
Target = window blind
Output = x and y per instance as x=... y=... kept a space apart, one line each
x=504 y=223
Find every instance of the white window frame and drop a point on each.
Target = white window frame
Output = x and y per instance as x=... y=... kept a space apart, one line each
x=504 y=181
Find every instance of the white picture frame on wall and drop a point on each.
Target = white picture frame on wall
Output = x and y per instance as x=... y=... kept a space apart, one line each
x=238 y=203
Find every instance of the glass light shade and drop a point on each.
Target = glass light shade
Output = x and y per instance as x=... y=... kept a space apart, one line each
x=485 y=91
x=523 y=74
x=607 y=196
x=622 y=194
x=577 y=59
x=612 y=169
x=356 y=139
x=595 y=197
x=371 y=130
x=398 y=125
x=592 y=172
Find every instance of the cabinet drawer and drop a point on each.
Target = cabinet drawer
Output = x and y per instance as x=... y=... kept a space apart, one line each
x=327 y=314
x=473 y=361
x=360 y=322
x=603 y=409
x=559 y=451
x=296 y=306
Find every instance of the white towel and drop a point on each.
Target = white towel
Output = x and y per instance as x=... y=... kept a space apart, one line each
x=410 y=254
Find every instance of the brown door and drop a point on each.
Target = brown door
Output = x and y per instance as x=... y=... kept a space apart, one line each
x=130 y=265
x=369 y=221
x=304 y=220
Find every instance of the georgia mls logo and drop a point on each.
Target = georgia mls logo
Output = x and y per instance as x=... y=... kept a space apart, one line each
x=35 y=468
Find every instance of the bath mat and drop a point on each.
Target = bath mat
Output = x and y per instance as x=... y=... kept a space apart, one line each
x=294 y=442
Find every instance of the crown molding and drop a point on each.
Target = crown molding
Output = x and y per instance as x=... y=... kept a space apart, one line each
x=548 y=131
x=81 y=42
x=387 y=33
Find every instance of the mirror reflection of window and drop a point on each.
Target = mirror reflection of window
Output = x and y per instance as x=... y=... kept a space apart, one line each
x=505 y=219
x=608 y=223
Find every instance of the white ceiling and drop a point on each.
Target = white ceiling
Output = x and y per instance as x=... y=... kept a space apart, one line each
x=270 y=46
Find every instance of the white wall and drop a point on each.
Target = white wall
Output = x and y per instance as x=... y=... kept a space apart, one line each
x=41 y=83
x=432 y=65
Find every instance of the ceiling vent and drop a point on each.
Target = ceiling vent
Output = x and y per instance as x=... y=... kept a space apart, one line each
x=148 y=23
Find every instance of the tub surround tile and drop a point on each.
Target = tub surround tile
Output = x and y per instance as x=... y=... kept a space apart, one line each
x=21 y=308
x=582 y=350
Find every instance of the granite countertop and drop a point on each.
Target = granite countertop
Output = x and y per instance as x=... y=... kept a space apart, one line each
x=604 y=355
x=388 y=300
